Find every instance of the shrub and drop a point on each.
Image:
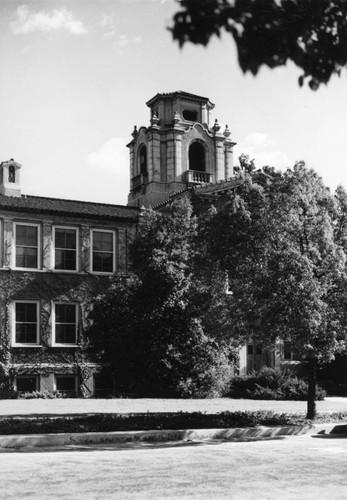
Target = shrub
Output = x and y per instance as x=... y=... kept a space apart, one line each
x=271 y=383
x=144 y=421
x=8 y=394
x=43 y=395
x=155 y=421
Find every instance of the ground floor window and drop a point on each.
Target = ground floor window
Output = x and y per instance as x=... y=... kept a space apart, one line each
x=250 y=349
x=288 y=354
x=103 y=386
x=66 y=384
x=27 y=383
x=65 y=324
x=26 y=323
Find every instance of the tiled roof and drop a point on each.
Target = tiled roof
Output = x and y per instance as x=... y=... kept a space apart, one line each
x=217 y=187
x=201 y=190
x=179 y=94
x=72 y=208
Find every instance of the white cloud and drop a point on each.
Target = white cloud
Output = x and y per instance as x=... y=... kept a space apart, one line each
x=257 y=140
x=108 y=34
x=262 y=148
x=111 y=26
x=26 y=49
x=58 y=19
x=124 y=41
x=112 y=156
x=106 y=20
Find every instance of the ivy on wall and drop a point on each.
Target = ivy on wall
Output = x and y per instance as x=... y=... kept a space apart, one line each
x=45 y=359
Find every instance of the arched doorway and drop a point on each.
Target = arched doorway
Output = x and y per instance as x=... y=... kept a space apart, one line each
x=196 y=156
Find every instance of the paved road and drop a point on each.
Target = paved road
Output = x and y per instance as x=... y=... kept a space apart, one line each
x=66 y=406
x=291 y=468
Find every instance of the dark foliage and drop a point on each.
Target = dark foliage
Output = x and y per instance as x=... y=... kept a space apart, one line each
x=333 y=377
x=286 y=265
x=311 y=33
x=162 y=329
x=154 y=421
x=271 y=383
x=142 y=421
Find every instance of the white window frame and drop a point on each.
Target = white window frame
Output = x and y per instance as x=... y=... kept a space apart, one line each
x=70 y=375
x=59 y=344
x=38 y=260
x=14 y=323
x=95 y=230
x=77 y=250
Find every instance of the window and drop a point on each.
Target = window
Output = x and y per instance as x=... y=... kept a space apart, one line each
x=197 y=157
x=288 y=354
x=102 y=251
x=27 y=246
x=65 y=324
x=250 y=350
x=102 y=385
x=26 y=323
x=11 y=174
x=65 y=249
x=27 y=383
x=190 y=115
x=66 y=384
x=143 y=160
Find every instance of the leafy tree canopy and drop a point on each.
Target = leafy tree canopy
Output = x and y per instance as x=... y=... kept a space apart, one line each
x=278 y=243
x=279 y=238
x=311 y=33
x=156 y=328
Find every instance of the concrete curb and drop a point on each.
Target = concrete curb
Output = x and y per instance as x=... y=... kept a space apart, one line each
x=88 y=438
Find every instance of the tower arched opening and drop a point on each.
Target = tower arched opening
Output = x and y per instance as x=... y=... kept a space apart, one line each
x=143 y=160
x=11 y=174
x=197 y=157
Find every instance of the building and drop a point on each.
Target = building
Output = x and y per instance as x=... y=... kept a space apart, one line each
x=57 y=255
x=182 y=154
x=178 y=149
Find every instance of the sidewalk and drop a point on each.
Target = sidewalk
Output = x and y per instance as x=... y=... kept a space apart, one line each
x=13 y=407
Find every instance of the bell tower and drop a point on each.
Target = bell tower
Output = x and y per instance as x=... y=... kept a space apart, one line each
x=9 y=178
x=178 y=149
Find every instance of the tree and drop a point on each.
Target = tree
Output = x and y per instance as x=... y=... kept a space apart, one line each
x=285 y=266
x=155 y=327
x=311 y=33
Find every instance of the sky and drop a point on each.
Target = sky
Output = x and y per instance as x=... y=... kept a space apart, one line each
x=75 y=76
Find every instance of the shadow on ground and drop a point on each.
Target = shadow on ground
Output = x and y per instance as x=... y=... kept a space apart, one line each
x=330 y=436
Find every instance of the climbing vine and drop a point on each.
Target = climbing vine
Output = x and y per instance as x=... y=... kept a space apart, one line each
x=45 y=359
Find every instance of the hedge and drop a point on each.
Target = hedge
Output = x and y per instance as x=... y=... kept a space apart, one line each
x=152 y=421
